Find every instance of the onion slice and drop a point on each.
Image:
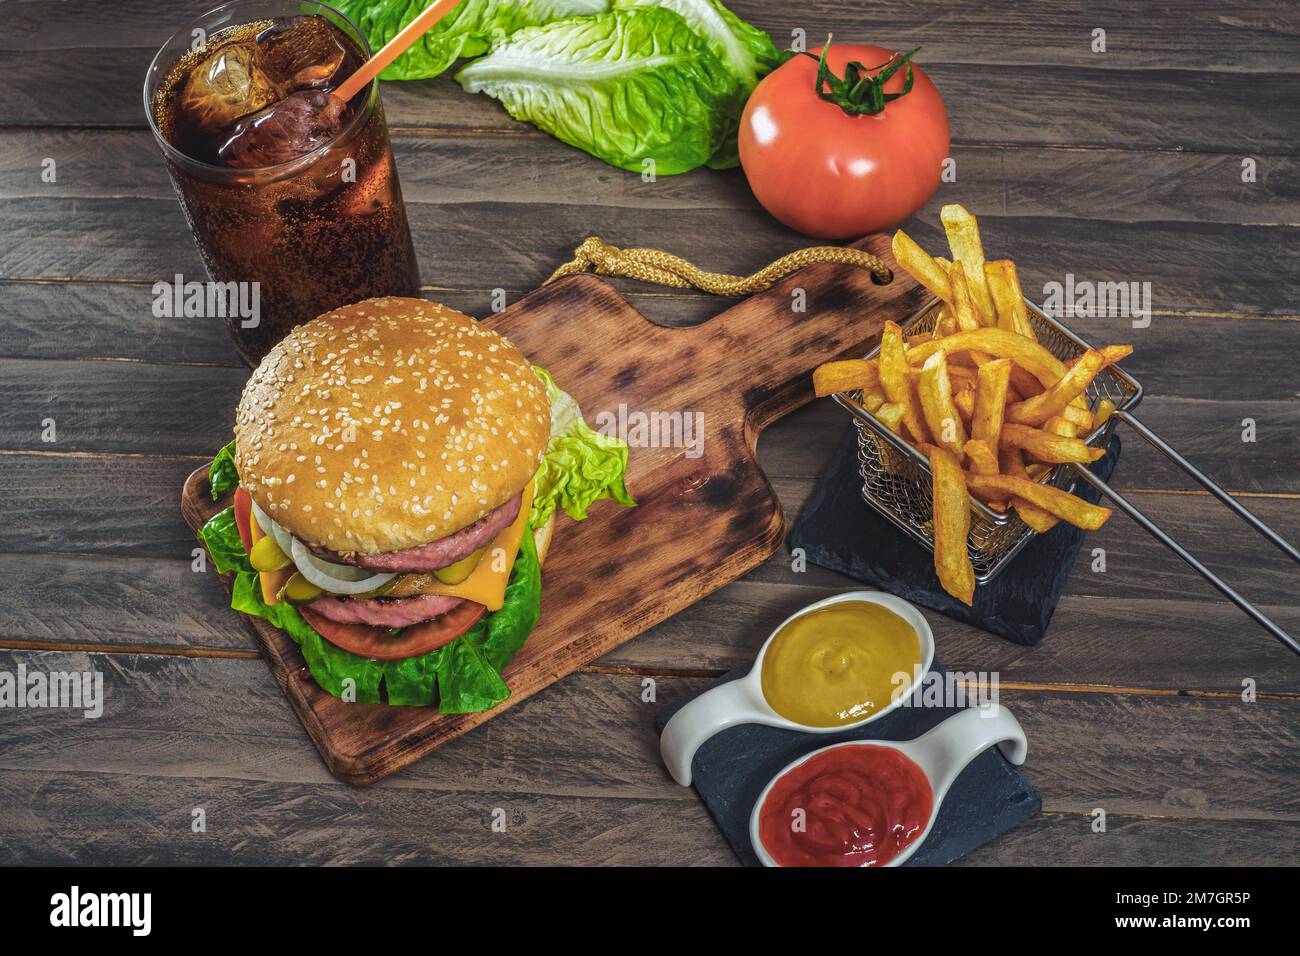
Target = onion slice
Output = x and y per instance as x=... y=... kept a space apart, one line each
x=335 y=578
x=272 y=527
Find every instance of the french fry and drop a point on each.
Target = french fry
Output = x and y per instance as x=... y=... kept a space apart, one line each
x=896 y=380
x=1038 y=471
x=990 y=401
x=982 y=459
x=1060 y=503
x=964 y=399
x=951 y=526
x=1047 y=447
x=1105 y=409
x=1008 y=299
x=963 y=305
x=891 y=416
x=845 y=376
x=1013 y=463
x=1060 y=426
x=1045 y=367
x=873 y=399
x=944 y=324
x=941 y=416
x=1054 y=400
x=964 y=241
x=961 y=375
x=921 y=265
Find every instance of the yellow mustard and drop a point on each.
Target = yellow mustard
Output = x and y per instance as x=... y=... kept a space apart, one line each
x=836 y=665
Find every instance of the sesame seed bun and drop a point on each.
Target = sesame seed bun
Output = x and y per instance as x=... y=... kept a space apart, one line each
x=389 y=424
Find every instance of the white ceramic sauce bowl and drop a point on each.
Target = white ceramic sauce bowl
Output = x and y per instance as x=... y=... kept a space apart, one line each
x=942 y=753
x=742 y=702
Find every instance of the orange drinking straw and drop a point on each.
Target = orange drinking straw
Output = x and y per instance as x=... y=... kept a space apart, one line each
x=394 y=48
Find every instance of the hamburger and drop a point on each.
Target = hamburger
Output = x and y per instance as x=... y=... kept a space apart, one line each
x=396 y=471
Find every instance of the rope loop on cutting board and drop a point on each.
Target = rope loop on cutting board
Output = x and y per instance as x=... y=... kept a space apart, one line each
x=663 y=268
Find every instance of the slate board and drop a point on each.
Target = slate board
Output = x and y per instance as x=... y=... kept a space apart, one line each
x=731 y=769
x=837 y=529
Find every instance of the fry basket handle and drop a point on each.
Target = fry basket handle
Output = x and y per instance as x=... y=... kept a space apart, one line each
x=1159 y=534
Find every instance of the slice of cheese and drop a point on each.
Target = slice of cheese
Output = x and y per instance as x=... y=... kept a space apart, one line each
x=271 y=581
x=487 y=584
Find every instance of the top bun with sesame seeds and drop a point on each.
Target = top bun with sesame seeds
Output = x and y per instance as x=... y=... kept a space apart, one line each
x=389 y=424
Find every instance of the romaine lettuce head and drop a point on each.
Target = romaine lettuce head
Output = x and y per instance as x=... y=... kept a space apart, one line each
x=466 y=31
x=626 y=86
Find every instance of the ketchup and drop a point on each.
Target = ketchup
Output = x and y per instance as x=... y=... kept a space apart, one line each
x=861 y=805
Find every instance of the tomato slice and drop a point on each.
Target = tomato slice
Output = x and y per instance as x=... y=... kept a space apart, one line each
x=244 y=517
x=378 y=644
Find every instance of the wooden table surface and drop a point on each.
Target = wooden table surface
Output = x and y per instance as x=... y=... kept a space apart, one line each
x=1124 y=165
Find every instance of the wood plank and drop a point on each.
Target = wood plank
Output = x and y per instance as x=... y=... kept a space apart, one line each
x=592 y=735
x=1195 y=643
x=1190 y=355
x=1191 y=266
x=462 y=169
x=1193 y=366
x=1040 y=105
x=585 y=743
x=1058 y=839
x=1183 y=36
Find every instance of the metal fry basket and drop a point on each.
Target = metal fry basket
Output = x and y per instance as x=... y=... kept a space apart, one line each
x=896 y=477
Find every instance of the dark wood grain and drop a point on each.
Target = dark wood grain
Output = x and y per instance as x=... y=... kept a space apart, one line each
x=1237 y=37
x=463 y=168
x=573 y=768
x=1120 y=166
x=1199 y=399
x=1037 y=105
x=1198 y=266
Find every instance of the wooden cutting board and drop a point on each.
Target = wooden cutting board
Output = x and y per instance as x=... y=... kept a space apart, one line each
x=701 y=521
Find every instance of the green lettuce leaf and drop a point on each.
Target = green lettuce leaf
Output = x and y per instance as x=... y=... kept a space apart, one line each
x=745 y=50
x=625 y=86
x=580 y=466
x=222 y=474
x=467 y=31
x=220 y=535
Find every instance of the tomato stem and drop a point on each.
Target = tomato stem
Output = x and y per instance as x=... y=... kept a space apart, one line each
x=861 y=90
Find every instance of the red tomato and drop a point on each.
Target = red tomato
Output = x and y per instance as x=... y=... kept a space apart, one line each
x=381 y=645
x=243 y=517
x=831 y=174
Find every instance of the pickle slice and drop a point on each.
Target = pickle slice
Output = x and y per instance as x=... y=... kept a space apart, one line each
x=455 y=573
x=298 y=590
x=267 y=556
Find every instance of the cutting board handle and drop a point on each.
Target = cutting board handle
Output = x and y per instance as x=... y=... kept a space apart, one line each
x=767 y=346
